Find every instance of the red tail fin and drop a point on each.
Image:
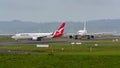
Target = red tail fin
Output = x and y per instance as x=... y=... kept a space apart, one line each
x=59 y=32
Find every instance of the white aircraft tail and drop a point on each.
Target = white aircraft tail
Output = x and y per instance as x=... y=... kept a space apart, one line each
x=84 y=27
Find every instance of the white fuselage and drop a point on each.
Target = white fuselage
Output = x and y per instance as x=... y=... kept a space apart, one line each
x=82 y=32
x=31 y=35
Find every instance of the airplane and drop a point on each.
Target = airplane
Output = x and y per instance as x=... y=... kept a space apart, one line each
x=84 y=34
x=38 y=36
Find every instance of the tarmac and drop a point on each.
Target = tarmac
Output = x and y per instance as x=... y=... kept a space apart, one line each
x=31 y=42
x=56 y=41
x=47 y=42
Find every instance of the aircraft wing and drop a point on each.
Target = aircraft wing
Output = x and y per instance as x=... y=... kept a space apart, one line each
x=103 y=33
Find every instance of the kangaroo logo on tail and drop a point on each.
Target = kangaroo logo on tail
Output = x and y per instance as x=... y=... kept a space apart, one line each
x=59 y=32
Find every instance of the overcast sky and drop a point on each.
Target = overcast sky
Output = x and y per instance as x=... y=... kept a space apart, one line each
x=59 y=10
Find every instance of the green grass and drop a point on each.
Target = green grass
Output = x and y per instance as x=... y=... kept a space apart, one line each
x=104 y=47
x=63 y=55
x=6 y=39
x=58 y=61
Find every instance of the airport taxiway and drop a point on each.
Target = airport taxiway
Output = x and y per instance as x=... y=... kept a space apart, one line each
x=47 y=42
x=31 y=42
x=57 y=41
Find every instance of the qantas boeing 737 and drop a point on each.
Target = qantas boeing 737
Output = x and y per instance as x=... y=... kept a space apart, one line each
x=38 y=36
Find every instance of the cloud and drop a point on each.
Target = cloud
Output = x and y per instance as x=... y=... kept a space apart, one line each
x=53 y=10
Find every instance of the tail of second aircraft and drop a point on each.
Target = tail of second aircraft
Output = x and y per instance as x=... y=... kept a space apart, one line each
x=59 y=32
